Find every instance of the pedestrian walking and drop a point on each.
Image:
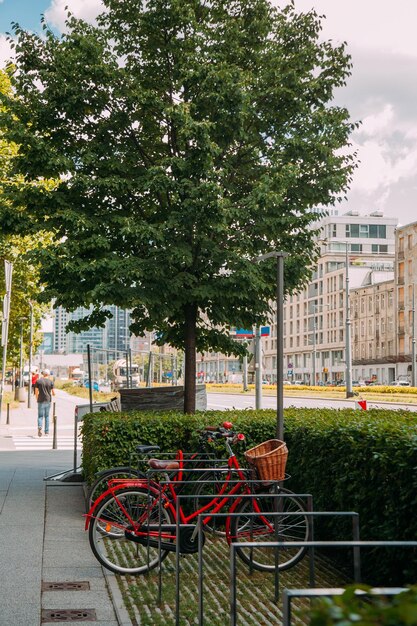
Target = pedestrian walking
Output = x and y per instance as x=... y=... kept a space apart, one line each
x=44 y=390
x=35 y=377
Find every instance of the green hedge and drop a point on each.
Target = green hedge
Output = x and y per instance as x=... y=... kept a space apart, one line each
x=352 y=610
x=349 y=460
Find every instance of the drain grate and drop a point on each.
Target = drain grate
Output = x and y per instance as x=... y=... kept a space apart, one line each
x=68 y=615
x=67 y=586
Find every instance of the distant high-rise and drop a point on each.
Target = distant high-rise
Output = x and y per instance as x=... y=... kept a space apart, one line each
x=114 y=336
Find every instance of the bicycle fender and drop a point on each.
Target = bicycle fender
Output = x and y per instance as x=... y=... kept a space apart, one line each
x=113 y=491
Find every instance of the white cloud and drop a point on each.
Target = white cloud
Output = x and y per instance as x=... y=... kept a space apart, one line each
x=87 y=10
x=378 y=123
x=377 y=24
x=6 y=52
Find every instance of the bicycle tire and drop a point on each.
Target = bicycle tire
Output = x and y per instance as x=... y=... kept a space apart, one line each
x=100 y=485
x=112 y=549
x=254 y=528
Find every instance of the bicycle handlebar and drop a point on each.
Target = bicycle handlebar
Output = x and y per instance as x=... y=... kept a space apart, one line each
x=222 y=432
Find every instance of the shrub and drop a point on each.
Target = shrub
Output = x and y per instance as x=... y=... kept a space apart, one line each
x=362 y=461
x=351 y=610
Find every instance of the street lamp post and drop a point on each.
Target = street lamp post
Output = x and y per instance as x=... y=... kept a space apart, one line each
x=413 y=341
x=349 y=390
x=280 y=256
x=314 y=345
x=30 y=354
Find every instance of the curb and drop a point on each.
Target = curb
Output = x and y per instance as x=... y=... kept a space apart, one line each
x=122 y=615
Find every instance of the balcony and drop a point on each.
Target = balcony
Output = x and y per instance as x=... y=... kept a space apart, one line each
x=401 y=305
x=401 y=329
x=400 y=255
x=401 y=280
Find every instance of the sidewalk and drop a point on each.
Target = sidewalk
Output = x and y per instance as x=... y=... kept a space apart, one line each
x=42 y=538
x=22 y=431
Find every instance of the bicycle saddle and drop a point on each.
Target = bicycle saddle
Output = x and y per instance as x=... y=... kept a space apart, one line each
x=163 y=465
x=144 y=449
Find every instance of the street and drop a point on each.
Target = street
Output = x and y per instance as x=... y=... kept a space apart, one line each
x=220 y=401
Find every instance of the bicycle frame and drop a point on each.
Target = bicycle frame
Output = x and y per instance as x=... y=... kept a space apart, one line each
x=167 y=495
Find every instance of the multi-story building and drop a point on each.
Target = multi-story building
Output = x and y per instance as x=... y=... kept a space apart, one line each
x=406 y=294
x=374 y=352
x=113 y=337
x=315 y=319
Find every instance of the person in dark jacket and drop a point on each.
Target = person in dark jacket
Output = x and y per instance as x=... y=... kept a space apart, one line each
x=44 y=390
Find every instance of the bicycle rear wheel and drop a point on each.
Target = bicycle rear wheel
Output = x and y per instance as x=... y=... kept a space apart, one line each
x=107 y=531
x=100 y=485
x=265 y=527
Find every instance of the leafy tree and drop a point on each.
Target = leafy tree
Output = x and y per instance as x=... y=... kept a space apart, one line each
x=189 y=137
x=25 y=279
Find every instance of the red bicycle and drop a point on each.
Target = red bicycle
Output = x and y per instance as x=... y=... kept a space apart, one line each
x=133 y=525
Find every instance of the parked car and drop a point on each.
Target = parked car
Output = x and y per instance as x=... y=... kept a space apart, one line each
x=400 y=383
x=95 y=384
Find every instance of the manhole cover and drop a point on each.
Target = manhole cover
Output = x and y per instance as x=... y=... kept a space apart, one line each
x=68 y=615
x=66 y=586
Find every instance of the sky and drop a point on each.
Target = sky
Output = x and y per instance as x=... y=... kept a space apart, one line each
x=381 y=93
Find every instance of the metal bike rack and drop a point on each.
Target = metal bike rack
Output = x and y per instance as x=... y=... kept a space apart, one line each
x=317 y=544
x=200 y=529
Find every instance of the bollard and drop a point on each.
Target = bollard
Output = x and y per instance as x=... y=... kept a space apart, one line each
x=54 y=441
x=8 y=414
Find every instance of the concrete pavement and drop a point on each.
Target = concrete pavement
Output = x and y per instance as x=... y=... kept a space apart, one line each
x=43 y=545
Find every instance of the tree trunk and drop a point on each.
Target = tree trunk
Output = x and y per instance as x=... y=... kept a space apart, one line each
x=190 y=358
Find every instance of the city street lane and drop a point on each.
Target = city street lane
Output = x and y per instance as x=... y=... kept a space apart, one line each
x=223 y=401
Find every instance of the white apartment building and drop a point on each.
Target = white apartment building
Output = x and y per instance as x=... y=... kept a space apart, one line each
x=315 y=319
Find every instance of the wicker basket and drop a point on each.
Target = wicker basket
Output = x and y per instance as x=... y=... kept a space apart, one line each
x=268 y=459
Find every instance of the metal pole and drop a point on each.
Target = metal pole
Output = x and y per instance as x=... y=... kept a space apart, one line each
x=413 y=342
x=349 y=390
x=21 y=383
x=258 y=368
x=54 y=437
x=150 y=373
x=245 y=372
x=314 y=346
x=280 y=345
x=8 y=271
x=8 y=414
x=127 y=369
x=90 y=382
x=30 y=355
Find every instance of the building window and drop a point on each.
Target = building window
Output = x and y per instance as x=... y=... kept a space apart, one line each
x=355 y=247
x=379 y=249
x=410 y=241
x=365 y=231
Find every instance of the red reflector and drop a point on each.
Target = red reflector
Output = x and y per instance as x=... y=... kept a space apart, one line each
x=227 y=425
x=241 y=437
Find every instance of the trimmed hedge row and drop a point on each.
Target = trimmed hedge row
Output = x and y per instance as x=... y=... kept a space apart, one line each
x=352 y=610
x=349 y=460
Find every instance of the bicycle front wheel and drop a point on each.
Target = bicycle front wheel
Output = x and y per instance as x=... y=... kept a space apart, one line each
x=107 y=531
x=100 y=485
x=290 y=524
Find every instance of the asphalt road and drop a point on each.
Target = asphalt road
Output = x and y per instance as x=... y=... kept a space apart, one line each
x=220 y=401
